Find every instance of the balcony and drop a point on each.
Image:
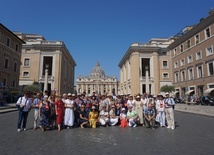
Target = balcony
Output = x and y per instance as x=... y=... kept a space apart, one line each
x=143 y=79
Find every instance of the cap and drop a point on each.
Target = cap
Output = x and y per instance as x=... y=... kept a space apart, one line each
x=46 y=96
x=123 y=109
x=166 y=93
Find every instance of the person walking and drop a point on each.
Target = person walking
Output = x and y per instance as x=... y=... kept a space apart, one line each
x=24 y=103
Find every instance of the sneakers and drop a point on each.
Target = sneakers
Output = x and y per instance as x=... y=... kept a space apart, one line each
x=18 y=130
x=25 y=129
x=134 y=125
x=168 y=127
x=172 y=128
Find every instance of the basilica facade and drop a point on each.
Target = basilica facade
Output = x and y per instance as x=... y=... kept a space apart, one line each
x=97 y=82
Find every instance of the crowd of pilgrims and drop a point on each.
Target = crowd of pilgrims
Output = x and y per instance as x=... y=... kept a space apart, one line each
x=81 y=110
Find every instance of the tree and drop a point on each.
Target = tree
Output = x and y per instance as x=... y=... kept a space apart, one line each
x=167 y=88
x=31 y=89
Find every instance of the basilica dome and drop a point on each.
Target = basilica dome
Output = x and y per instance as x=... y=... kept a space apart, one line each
x=97 y=71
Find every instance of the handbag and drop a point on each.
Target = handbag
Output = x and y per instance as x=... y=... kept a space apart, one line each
x=21 y=108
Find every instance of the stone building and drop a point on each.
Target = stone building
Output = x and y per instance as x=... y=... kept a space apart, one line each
x=10 y=59
x=145 y=67
x=38 y=54
x=193 y=59
x=97 y=82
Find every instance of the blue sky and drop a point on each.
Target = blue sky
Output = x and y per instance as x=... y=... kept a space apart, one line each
x=98 y=30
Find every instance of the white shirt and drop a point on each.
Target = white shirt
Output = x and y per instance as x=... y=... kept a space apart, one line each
x=26 y=102
x=131 y=103
x=160 y=105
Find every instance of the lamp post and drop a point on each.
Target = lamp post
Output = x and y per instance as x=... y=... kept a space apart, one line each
x=46 y=78
x=147 y=79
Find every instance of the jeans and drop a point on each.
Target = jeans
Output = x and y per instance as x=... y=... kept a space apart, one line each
x=22 y=116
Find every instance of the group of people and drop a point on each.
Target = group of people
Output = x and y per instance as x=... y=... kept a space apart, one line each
x=81 y=110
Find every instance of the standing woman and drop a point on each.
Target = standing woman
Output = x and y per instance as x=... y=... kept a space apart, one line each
x=139 y=109
x=59 y=107
x=44 y=113
x=53 y=111
x=69 y=112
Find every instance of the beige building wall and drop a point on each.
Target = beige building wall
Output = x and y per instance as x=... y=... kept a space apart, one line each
x=10 y=59
x=36 y=54
x=134 y=78
x=193 y=59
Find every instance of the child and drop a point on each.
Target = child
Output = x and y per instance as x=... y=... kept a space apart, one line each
x=123 y=118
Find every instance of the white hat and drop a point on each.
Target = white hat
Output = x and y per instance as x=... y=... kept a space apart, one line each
x=46 y=96
x=166 y=93
x=123 y=109
x=69 y=94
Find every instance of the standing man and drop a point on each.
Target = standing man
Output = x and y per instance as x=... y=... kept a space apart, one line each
x=36 y=103
x=169 y=103
x=25 y=104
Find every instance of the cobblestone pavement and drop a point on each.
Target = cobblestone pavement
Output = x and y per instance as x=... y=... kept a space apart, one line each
x=194 y=134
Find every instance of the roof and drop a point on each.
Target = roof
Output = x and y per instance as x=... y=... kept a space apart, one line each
x=11 y=33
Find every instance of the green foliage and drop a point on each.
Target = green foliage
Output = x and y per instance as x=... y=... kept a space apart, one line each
x=31 y=89
x=167 y=88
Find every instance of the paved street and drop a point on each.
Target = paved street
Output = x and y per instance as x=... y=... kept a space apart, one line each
x=194 y=134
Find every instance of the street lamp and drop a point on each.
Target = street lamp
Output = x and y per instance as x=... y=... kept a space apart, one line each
x=46 y=78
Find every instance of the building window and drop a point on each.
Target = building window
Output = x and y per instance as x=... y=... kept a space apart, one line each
x=26 y=62
x=165 y=64
x=14 y=84
x=207 y=32
x=17 y=47
x=210 y=68
x=182 y=62
x=200 y=71
x=198 y=55
x=183 y=76
x=176 y=65
x=197 y=39
x=6 y=63
x=5 y=82
x=188 y=44
x=181 y=48
x=209 y=51
x=175 y=51
x=176 y=77
x=8 y=42
x=15 y=67
x=26 y=74
x=191 y=73
x=189 y=58
x=165 y=75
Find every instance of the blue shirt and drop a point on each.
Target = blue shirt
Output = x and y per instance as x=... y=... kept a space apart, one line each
x=36 y=102
x=149 y=112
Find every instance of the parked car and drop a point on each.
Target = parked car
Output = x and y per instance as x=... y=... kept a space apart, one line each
x=207 y=100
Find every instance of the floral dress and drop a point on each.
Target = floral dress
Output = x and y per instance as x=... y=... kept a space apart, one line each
x=45 y=112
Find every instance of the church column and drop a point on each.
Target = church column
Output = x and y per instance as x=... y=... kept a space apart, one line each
x=86 y=89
